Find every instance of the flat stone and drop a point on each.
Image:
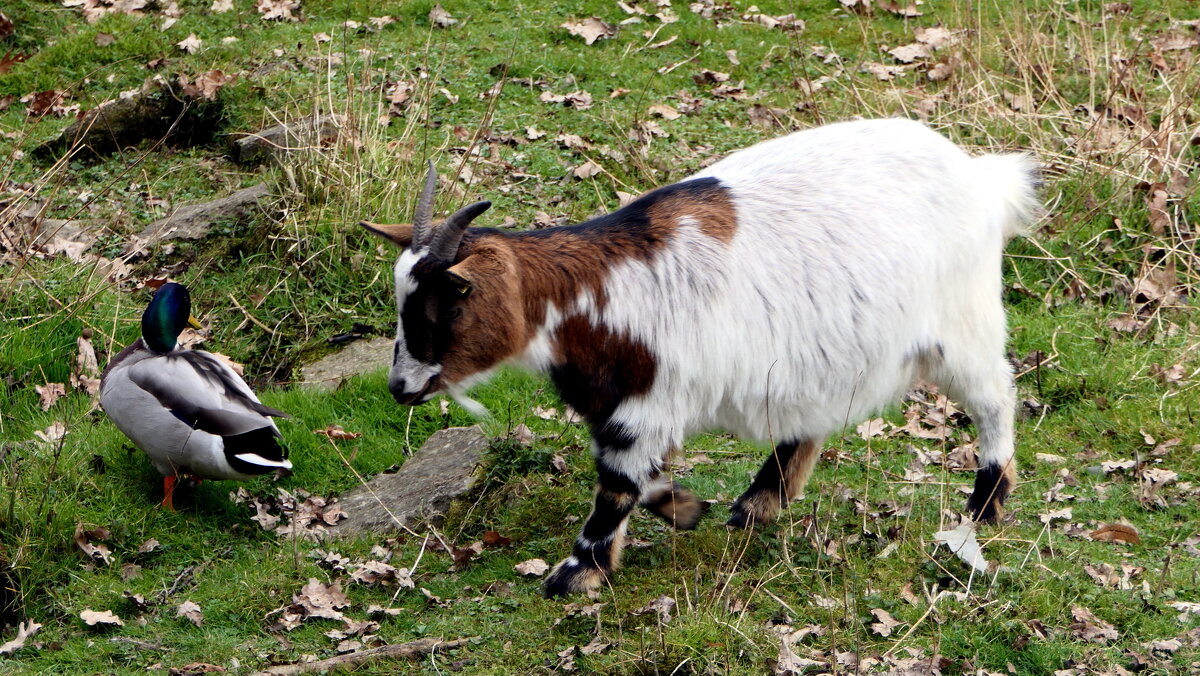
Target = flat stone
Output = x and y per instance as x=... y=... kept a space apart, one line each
x=421 y=492
x=314 y=131
x=193 y=221
x=361 y=356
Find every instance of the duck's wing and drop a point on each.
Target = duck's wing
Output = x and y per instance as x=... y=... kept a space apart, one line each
x=204 y=393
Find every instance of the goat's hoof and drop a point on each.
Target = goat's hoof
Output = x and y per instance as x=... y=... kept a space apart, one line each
x=739 y=519
x=571 y=576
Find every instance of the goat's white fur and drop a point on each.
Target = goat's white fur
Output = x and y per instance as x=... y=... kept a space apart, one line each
x=866 y=254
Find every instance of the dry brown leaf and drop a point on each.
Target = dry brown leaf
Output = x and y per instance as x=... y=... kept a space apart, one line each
x=439 y=17
x=84 y=538
x=221 y=6
x=788 y=663
x=51 y=101
x=1091 y=628
x=532 y=567
x=50 y=393
x=908 y=11
x=93 y=618
x=910 y=52
x=935 y=36
x=586 y=170
x=662 y=606
x=148 y=546
x=378 y=572
x=53 y=433
x=962 y=542
x=278 y=10
x=191 y=611
x=590 y=29
x=191 y=44
x=881 y=71
x=25 y=630
x=871 y=428
x=579 y=100
x=706 y=76
x=886 y=623
x=664 y=111
x=1156 y=205
x=1116 y=532
x=206 y=85
x=336 y=432
x=491 y=539
x=533 y=133
x=1175 y=42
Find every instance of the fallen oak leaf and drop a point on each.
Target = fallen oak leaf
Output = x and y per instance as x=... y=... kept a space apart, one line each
x=532 y=567
x=93 y=618
x=191 y=611
x=191 y=44
x=336 y=432
x=590 y=29
x=962 y=543
x=25 y=630
x=1116 y=532
x=439 y=17
x=95 y=552
x=886 y=623
x=492 y=540
x=56 y=431
x=50 y=393
x=1091 y=628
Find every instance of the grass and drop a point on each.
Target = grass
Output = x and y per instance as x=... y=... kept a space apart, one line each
x=1077 y=83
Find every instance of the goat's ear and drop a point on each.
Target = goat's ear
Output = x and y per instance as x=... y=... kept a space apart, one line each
x=459 y=277
x=399 y=234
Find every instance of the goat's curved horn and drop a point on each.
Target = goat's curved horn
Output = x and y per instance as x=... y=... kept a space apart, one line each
x=449 y=234
x=423 y=217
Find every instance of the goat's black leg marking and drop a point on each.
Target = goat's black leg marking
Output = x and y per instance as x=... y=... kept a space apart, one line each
x=781 y=479
x=993 y=483
x=597 y=550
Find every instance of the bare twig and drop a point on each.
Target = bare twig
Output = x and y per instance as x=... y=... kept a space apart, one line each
x=417 y=648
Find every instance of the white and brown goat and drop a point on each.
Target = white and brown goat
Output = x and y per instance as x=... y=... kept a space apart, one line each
x=795 y=285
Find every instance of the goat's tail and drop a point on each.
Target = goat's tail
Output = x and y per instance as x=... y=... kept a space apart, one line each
x=1011 y=182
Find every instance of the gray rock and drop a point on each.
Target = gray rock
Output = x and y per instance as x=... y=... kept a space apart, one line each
x=193 y=221
x=421 y=492
x=312 y=131
x=361 y=356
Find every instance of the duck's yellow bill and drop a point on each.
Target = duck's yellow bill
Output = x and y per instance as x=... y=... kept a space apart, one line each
x=193 y=322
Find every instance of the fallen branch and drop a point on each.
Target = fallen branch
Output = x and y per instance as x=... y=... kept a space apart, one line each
x=417 y=648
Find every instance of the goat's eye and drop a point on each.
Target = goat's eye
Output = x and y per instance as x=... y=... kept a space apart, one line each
x=454 y=313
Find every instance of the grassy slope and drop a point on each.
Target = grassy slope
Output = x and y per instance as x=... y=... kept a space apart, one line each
x=300 y=274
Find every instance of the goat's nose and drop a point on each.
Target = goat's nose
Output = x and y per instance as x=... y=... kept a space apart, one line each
x=398 y=388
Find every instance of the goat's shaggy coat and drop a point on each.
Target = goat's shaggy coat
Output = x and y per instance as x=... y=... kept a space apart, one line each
x=795 y=285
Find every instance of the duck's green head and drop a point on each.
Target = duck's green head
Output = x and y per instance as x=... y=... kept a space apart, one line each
x=167 y=316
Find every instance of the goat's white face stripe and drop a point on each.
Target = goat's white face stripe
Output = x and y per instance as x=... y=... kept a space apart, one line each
x=414 y=372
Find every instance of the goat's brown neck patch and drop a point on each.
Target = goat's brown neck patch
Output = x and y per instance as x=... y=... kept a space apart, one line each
x=517 y=275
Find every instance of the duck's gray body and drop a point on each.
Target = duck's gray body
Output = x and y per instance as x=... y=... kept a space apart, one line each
x=191 y=413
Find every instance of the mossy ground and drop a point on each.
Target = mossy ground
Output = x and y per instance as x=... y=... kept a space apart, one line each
x=1077 y=83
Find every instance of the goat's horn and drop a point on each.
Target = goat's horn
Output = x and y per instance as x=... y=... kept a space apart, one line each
x=423 y=217
x=449 y=234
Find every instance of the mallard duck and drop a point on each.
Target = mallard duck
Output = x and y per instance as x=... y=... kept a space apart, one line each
x=188 y=410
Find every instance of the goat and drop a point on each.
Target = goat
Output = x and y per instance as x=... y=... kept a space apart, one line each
x=791 y=287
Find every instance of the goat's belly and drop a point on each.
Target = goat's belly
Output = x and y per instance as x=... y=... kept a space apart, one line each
x=793 y=408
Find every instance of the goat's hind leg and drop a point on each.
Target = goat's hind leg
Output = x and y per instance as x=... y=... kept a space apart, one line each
x=674 y=504
x=781 y=479
x=986 y=390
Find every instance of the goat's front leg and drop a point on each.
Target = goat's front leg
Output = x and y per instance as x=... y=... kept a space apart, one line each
x=621 y=469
